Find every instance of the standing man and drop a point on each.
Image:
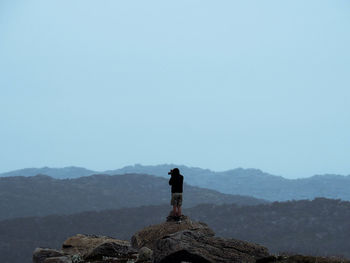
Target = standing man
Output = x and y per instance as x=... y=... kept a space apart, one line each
x=176 y=182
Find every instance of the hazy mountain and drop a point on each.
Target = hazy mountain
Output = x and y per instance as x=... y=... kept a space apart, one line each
x=254 y=182
x=248 y=182
x=42 y=195
x=59 y=173
x=319 y=227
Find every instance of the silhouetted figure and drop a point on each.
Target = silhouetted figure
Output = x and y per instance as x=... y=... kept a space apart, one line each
x=176 y=182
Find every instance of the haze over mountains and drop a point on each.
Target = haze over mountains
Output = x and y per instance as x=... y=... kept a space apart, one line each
x=42 y=195
x=247 y=182
x=77 y=202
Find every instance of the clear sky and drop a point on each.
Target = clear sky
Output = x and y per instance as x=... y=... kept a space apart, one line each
x=212 y=84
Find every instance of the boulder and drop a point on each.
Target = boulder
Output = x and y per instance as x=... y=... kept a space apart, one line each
x=196 y=247
x=93 y=247
x=41 y=254
x=148 y=236
x=111 y=250
x=145 y=255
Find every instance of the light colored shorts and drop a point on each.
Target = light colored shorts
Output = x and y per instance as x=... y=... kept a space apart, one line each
x=176 y=199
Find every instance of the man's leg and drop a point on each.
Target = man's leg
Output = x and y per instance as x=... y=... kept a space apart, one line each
x=179 y=211
x=174 y=210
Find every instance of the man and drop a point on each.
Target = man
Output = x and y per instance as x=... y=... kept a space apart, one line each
x=176 y=182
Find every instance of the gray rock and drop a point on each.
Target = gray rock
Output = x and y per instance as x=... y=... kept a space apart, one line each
x=76 y=258
x=85 y=244
x=111 y=250
x=148 y=236
x=193 y=246
x=145 y=255
x=41 y=254
x=58 y=260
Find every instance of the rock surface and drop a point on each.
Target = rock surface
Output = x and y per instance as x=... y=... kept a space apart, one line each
x=148 y=236
x=87 y=245
x=58 y=260
x=41 y=254
x=195 y=247
x=111 y=250
x=145 y=255
x=87 y=248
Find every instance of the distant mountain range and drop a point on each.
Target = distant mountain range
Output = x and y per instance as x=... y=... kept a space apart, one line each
x=247 y=182
x=318 y=227
x=58 y=173
x=42 y=195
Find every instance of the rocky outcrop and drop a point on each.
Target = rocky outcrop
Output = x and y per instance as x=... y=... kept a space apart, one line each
x=95 y=247
x=87 y=248
x=195 y=247
x=174 y=241
x=148 y=236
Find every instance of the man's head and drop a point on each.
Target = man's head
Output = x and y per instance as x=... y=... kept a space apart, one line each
x=174 y=171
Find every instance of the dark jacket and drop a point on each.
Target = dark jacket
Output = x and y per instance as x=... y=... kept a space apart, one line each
x=176 y=182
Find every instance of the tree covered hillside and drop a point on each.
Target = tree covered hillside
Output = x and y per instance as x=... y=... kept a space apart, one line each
x=42 y=195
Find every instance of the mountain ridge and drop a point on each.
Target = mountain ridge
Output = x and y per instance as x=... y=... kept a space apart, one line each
x=239 y=181
x=61 y=172
x=43 y=195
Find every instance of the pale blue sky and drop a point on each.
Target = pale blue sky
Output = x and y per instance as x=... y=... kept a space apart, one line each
x=213 y=84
